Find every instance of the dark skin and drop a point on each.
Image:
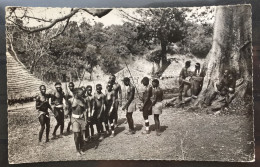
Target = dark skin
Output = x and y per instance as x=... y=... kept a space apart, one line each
x=69 y=96
x=71 y=88
x=158 y=93
x=197 y=69
x=42 y=101
x=130 y=94
x=158 y=97
x=149 y=95
x=110 y=96
x=99 y=99
x=90 y=101
x=58 y=98
x=42 y=104
x=73 y=105
x=117 y=89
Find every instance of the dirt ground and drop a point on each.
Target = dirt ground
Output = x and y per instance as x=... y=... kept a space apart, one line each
x=185 y=136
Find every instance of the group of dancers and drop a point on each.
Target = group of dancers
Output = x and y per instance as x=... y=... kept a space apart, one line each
x=86 y=109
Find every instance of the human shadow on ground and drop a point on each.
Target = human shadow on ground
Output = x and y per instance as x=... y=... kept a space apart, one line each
x=94 y=143
x=67 y=133
x=162 y=128
x=138 y=127
x=121 y=121
x=119 y=130
x=57 y=137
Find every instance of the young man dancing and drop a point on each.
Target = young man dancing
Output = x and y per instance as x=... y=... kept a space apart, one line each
x=42 y=105
x=57 y=100
x=78 y=119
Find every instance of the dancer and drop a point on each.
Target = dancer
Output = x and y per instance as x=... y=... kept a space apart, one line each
x=78 y=119
x=42 y=105
x=57 y=100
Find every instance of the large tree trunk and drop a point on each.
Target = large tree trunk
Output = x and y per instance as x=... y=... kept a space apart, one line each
x=231 y=49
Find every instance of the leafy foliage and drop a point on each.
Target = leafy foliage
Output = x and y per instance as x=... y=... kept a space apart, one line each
x=65 y=52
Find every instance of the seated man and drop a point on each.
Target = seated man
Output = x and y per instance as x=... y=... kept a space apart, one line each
x=196 y=81
x=223 y=89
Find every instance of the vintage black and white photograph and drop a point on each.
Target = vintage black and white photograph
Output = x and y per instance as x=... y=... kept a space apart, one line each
x=129 y=84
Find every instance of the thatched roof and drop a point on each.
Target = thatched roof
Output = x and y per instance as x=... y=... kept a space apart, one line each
x=20 y=83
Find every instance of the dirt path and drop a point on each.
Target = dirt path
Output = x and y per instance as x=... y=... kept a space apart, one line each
x=186 y=136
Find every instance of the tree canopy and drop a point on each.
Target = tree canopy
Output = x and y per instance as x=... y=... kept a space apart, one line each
x=63 y=48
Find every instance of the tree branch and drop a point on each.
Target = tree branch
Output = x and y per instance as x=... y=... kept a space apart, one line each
x=66 y=25
x=39 y=19
x=127 y=16
x=28 y=30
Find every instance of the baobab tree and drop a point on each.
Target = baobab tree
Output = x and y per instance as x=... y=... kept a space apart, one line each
x=231 y=49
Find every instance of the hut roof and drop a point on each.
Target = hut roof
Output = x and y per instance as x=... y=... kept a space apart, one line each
x=20 y=83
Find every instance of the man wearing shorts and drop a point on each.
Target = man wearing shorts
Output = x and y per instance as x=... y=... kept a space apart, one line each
x=42 y=105
x=78 y=119
x=157 y=105
x=57 y=100
x=147 y=103
x=89 y=101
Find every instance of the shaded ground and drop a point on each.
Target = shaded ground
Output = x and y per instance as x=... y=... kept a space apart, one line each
x=186 y=136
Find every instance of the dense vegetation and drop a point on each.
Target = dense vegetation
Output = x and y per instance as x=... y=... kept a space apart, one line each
x=82 y=46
